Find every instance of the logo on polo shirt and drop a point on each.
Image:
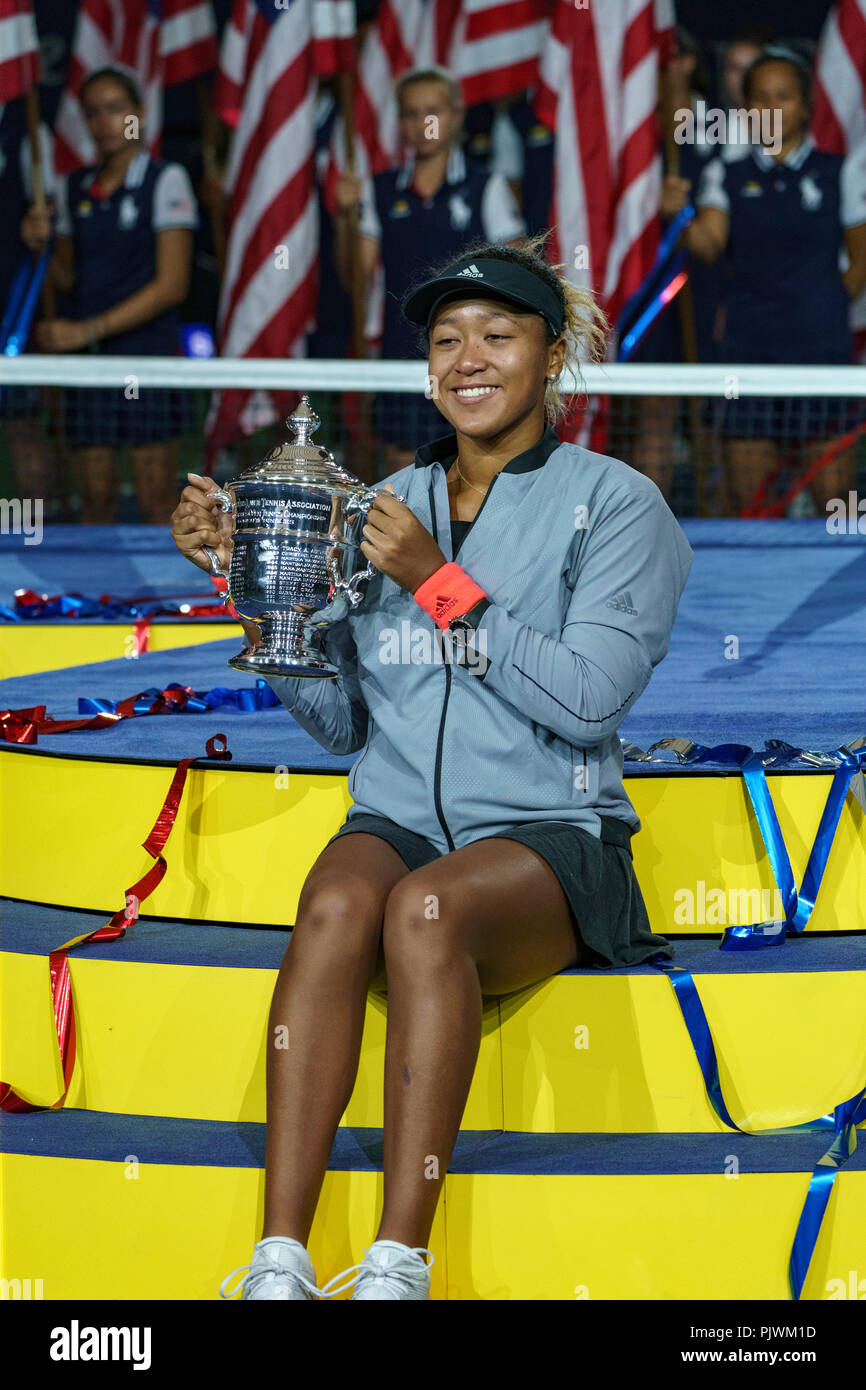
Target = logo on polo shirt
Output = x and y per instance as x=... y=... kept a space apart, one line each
x=127 y=215
x=811 y=195
x=473 y=271
x=460 y=210
x=84 y=208
x=622 y=603
x=751 y=189
x=399 y=209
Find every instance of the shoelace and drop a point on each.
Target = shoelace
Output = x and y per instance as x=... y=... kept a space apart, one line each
x=376 y=1268
x=271 y=1269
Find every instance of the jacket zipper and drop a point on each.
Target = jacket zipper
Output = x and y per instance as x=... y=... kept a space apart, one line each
x=437 y=775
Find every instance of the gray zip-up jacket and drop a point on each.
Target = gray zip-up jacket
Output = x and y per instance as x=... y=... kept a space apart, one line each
x=584 y=565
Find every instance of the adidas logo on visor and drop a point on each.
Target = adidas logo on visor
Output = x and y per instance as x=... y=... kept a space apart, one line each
x=473 y=271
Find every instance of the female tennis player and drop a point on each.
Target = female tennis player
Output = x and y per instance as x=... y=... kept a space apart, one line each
x=488 y=846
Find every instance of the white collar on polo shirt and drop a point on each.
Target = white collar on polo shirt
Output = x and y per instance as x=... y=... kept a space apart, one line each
x=135 y=172
x=793 y=159
x=455 y=172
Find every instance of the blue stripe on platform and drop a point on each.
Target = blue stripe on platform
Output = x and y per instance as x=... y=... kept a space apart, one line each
x=33 y=929
x=110 y=1137
x=793 y=593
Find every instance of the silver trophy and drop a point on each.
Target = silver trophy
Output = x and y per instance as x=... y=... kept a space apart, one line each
x=296 y=563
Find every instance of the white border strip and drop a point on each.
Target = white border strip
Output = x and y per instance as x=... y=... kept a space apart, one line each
x=320 y=374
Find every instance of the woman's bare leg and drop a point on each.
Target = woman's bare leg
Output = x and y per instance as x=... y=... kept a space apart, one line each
x=489 y=918
x=154 y=479
x=749 y=462
x=98 y=485
x=316 y=1021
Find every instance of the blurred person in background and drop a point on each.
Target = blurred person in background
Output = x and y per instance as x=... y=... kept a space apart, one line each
x=21 y=407
x=651 y=445
x=123 y=251
x=786 y=221
x=737 y=58
x=431 y=206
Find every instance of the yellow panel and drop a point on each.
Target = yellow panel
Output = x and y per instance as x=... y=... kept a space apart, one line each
x=664 y=1236
x=174 y=1232
x=169 y=1231
x=599 y=1054
x=94 y=816
x=792 y=1047
x=26 y=648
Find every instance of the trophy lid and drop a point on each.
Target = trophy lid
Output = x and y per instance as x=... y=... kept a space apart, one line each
x=299 y=459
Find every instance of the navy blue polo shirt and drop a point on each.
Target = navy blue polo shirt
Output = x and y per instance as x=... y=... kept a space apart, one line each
x=416 y=232
x=115 y=243
x=785 y=298
x=534 y=164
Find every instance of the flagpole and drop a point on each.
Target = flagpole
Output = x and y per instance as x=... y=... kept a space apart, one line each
x=52 y=394
x=685 y=299
x=212 y=172
x=346 y=91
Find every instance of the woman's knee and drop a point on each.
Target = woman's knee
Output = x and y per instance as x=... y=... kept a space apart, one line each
x=347 y=909
x=422 y=914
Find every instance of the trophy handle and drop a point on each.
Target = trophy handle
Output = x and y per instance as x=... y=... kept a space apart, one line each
x=226 y=504
x=362 y=500
x=214 y=562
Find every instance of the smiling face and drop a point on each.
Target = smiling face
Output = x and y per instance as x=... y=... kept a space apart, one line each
x=489 y=360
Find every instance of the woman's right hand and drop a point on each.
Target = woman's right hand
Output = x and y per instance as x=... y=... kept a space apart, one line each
x=36 y=226
x=197 y=520
x=675 y=195
x=347 y=191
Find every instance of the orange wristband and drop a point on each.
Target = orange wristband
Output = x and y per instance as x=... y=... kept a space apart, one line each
x=447 y=593
x=221 y=584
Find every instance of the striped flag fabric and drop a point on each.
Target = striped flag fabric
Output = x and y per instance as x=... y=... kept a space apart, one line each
x=839 y=118
x=497 y=45
x=19 y=49
x=266 y=89
x=161 y=41
x=839 y=115
x=598 y=90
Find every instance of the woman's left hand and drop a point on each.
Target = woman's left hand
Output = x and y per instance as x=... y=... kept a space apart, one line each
x=61 y=335
x=397 y=544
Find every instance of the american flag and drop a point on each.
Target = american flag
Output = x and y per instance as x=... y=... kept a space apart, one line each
x=839 y=119
x=266 y=88
x=19 y=49
x=161 y=41
x=598 y=90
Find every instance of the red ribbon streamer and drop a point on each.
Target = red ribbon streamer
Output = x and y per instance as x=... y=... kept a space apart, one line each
x=25 y=725
x=58 y=966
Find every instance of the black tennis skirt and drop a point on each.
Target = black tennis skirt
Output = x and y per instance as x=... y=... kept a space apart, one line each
x=608 y=912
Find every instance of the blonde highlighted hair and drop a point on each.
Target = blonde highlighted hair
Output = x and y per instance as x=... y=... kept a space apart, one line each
x=585 y=326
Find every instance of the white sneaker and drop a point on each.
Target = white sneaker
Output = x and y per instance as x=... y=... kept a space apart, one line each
x=281 y=1268
x=389 y=1270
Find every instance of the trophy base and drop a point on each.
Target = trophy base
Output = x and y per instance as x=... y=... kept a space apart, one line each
x=270 y=664
x=283 y=651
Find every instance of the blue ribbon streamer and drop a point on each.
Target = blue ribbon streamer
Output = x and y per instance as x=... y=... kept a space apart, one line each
x=798 y=909
x=76 y=605
x=243 y=698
